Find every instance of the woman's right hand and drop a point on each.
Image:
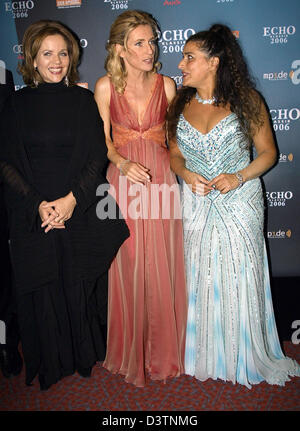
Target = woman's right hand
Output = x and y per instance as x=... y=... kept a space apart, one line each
x=197 y=183
x=135 y=172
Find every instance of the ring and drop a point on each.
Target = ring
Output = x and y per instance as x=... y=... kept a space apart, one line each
x=213 y=186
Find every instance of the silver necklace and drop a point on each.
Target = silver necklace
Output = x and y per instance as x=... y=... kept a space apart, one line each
x=205 y=101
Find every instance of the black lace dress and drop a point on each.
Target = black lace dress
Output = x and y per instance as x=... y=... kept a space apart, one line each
x=52 y=143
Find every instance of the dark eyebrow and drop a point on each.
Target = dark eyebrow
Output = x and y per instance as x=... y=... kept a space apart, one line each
x=50 y=50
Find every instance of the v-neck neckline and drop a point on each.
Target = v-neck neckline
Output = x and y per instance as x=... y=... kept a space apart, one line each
x=147 y=103
x=211 y=130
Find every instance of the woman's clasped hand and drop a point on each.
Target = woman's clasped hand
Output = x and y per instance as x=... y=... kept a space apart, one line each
x=55 y=213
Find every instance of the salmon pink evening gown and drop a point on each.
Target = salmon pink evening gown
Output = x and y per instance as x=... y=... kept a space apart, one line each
x=147 y=292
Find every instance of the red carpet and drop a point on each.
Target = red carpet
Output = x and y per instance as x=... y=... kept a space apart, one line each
x=104 y=392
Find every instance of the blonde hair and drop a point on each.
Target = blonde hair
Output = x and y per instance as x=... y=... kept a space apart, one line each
x=119 y=33
x=32 y=40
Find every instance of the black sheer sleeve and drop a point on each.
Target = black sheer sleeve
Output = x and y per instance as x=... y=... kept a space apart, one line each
x=85 y=183
x=18 y=191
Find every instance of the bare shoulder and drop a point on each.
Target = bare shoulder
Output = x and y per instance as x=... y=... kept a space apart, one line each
x=170 y=88
x=102 y=85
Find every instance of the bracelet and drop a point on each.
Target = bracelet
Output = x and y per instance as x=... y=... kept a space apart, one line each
x=121 y=165
x=240 y=178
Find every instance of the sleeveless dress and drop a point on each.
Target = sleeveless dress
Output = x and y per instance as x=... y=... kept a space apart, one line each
x=147 y=291
x=231 y=330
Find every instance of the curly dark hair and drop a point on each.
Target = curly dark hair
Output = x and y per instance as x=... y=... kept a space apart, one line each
x=234 y=85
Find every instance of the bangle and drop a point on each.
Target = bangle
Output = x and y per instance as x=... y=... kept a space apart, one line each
x=121 y=165
x=240 y=178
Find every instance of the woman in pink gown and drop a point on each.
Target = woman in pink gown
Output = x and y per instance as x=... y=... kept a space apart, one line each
x=147 y=292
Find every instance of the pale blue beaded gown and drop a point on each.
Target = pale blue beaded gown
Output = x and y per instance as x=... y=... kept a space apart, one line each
x=231 y=330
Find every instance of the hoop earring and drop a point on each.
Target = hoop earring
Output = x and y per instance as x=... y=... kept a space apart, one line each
x=67 y=81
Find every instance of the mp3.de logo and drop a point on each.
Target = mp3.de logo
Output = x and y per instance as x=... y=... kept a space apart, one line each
x=279 y=198
x=283 y=118
x=279 y=234
x=279 y=34
x=118 y=4
x=173 y=40
x=19 y=9
x=284 y=158
x=295 y=72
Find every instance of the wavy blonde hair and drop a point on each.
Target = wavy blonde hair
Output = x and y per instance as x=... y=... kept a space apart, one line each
x=119 y=33
x=32 y=40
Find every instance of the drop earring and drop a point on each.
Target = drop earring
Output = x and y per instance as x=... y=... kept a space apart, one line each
x=67 y=80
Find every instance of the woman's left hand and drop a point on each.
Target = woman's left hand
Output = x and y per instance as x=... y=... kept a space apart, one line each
x=64 y=208
x=224 y=183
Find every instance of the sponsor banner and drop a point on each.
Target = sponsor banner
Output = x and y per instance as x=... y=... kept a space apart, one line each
x=269 y=40
x=63 y=4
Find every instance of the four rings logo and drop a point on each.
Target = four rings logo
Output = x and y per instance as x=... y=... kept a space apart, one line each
x=279 y=199
x=282 y=118
x=118 y=4
x=19 y=9
x=177 y=79
x=279 y=34
x=280 y=234
x=174 y=40
x=18 y=50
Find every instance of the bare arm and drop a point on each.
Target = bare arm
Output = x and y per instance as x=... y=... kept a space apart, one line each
x=134 y=171
x=265 y=148
x=266 y=157
x=170 y=88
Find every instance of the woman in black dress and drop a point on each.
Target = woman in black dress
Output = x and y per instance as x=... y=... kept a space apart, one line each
x=52 y=159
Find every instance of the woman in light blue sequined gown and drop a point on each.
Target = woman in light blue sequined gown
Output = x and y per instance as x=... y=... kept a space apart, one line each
x=231 y=331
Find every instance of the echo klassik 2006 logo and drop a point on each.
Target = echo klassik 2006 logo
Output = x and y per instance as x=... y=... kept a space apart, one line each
x=284 y=118
x=173 y=40
x=279 y=198
x=279 y=34
x=118 y=5
x=19 y=9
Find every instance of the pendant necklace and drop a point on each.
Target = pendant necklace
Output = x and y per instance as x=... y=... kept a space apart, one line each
x=205 y=101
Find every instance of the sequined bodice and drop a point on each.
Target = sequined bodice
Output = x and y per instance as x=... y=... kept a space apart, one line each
x=223 y=149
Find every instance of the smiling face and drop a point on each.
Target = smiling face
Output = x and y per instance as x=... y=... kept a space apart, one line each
x=197 y=69
x=52 y=60
x=141 y=48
